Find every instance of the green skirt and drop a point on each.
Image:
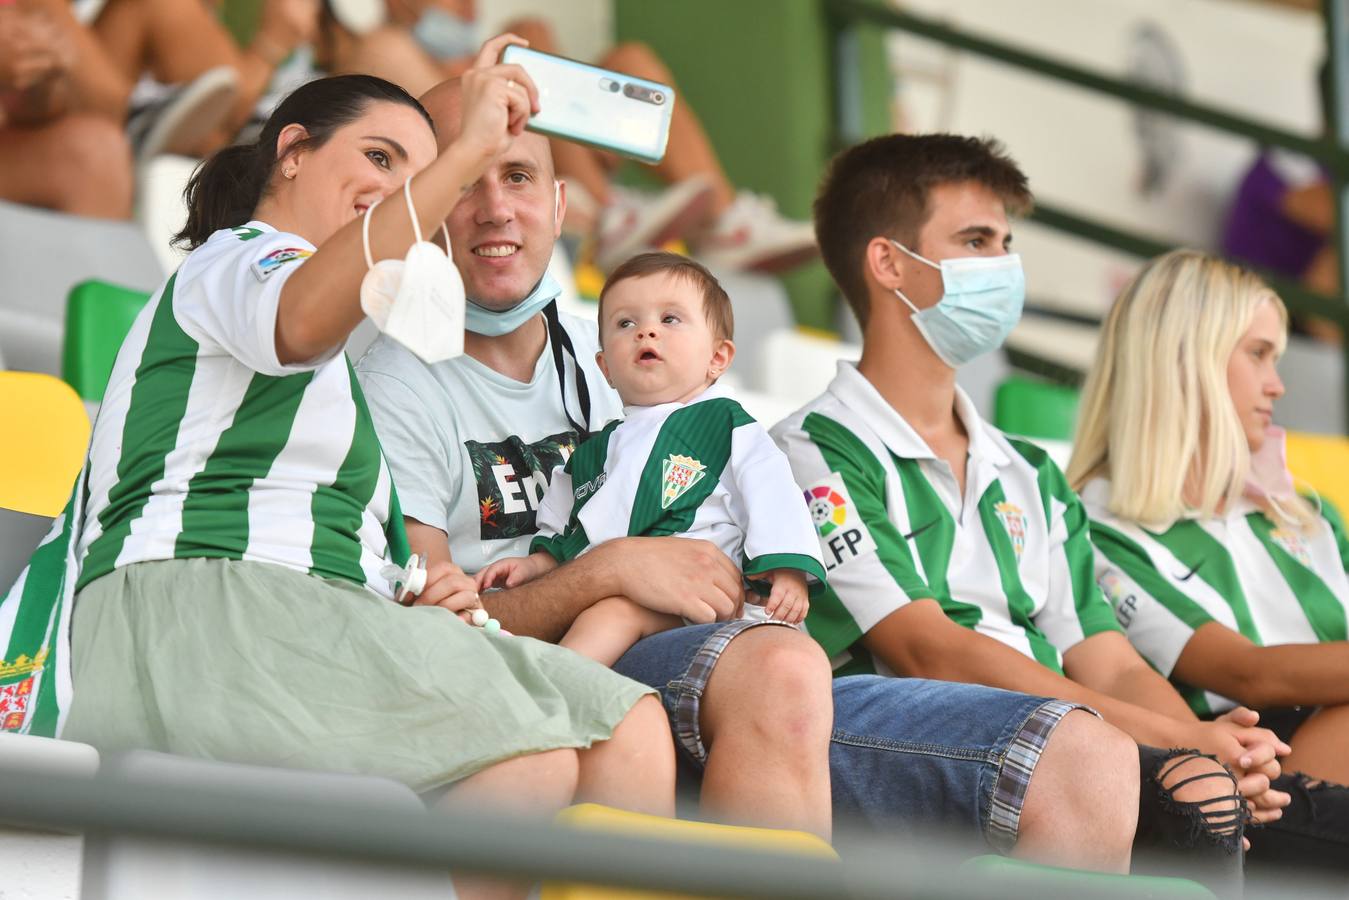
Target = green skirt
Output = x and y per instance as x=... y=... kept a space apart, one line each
x=252 y=662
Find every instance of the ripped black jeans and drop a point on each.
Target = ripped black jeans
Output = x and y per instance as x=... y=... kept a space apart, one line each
x=1198 y=840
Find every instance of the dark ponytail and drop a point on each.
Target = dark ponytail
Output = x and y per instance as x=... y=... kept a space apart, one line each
x=225 y=190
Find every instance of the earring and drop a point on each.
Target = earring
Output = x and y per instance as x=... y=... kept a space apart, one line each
x=289 y=173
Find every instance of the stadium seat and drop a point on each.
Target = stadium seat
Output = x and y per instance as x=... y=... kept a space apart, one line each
x=796 y=365
x=1035 y=409
x=593 y=817
x=39 y=862
x=98 y=317
x=48 y=433
x=1321 y=461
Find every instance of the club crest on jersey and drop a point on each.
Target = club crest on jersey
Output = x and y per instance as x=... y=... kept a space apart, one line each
x=16 y=695
x=1293 y=544
x=264 y=267
x=828 y=508
x=1014 y=522
x=679 y=473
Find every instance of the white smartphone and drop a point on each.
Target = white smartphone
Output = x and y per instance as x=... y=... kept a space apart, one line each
x=590 y=105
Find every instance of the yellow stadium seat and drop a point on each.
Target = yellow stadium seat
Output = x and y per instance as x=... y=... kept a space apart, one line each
x=46 y=435
x=593 y=817
x=1321 y=461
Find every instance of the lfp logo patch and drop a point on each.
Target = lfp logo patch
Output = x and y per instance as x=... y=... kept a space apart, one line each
x=264 y=267
x=828 y=509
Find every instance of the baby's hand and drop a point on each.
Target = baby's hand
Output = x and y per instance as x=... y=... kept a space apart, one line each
x=515 y=570
x=787 y=602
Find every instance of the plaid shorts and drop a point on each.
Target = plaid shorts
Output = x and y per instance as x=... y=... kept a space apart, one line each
x=905 y=752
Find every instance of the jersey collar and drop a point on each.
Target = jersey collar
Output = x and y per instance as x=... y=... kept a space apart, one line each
x=858 y=394
x=660 y=409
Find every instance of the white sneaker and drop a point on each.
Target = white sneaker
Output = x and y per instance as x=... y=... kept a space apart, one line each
x=634 y=221
x=184 y=116
x=752 y=234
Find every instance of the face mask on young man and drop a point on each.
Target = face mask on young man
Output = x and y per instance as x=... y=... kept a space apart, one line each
x=981 y=302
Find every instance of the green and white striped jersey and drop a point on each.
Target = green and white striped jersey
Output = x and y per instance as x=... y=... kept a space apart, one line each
x=207 y=446
x=1010 y=558
x=703 y=469
x=1273 y=585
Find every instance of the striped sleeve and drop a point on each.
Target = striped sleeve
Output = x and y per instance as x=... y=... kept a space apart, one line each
x=871 y=570
x=554 y=514
x=1158 y=614
x=768 y=507
x=230 y=299
x=1074 y=609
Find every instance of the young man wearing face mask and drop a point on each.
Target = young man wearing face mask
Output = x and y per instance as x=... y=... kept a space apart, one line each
x=471 y=444
x=953 y=551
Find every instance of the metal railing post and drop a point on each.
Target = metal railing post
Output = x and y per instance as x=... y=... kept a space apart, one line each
x=1336 y=14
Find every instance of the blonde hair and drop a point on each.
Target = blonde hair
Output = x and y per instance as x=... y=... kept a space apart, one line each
x=1157 y=417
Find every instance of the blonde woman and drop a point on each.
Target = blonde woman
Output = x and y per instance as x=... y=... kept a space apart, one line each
x=1224 y=577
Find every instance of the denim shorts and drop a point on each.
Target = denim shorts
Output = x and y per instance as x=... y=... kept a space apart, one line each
x=905 y=752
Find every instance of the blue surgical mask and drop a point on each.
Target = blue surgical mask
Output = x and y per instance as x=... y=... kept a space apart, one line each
x=495 y=323
x=444 y=35
x=981 y=303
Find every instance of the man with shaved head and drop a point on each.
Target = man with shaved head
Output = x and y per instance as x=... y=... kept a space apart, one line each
x=757 y=719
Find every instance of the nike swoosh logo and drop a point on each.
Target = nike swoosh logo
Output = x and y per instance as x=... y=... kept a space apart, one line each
x=1190 y=574
x=919 y=530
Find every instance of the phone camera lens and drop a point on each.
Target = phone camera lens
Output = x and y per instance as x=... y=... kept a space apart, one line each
x=629 y=90
x=657 y=97
x=613 y=87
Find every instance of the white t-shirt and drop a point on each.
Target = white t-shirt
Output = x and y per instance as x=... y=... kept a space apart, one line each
x=206 y=445
x=473 y=449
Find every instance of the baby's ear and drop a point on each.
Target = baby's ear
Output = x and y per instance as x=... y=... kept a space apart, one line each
x=723 y=351
x=604 y=367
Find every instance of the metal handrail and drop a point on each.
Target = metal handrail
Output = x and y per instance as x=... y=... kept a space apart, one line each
x=1329 y=150
x=323 y=825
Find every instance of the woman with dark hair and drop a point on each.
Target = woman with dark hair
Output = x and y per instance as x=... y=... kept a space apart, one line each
x=238 y=512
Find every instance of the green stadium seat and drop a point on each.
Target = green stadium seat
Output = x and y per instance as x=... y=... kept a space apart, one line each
x=1035 y=409
x=1025 y=878
x=98 y=317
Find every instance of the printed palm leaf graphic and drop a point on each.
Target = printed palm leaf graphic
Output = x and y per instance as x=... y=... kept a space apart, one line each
x=487 y=510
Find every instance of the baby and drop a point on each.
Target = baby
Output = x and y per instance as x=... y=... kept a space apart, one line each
x=687 y=460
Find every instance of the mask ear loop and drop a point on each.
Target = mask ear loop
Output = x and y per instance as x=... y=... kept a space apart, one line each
x=412 y=212
x=365 y=235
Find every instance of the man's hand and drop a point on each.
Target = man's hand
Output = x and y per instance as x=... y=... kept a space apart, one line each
x=678 y=576
x=787 y=602
x=515 y=570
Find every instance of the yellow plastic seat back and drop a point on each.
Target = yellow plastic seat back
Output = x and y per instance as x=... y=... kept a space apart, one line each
x=1321 y=461
x=46 y=433
x=593 y=817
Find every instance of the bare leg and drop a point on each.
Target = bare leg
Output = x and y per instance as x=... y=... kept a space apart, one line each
x=537 y=785
x=689 y=151
x=606 y=630
x=1319 y=746
x=635 y=768
x=79 y=164
x=175 y=40
x=1081 y=806
x=1323 y=276
x=767 y=717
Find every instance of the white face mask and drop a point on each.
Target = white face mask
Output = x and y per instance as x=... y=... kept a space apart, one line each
x=418 y=300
